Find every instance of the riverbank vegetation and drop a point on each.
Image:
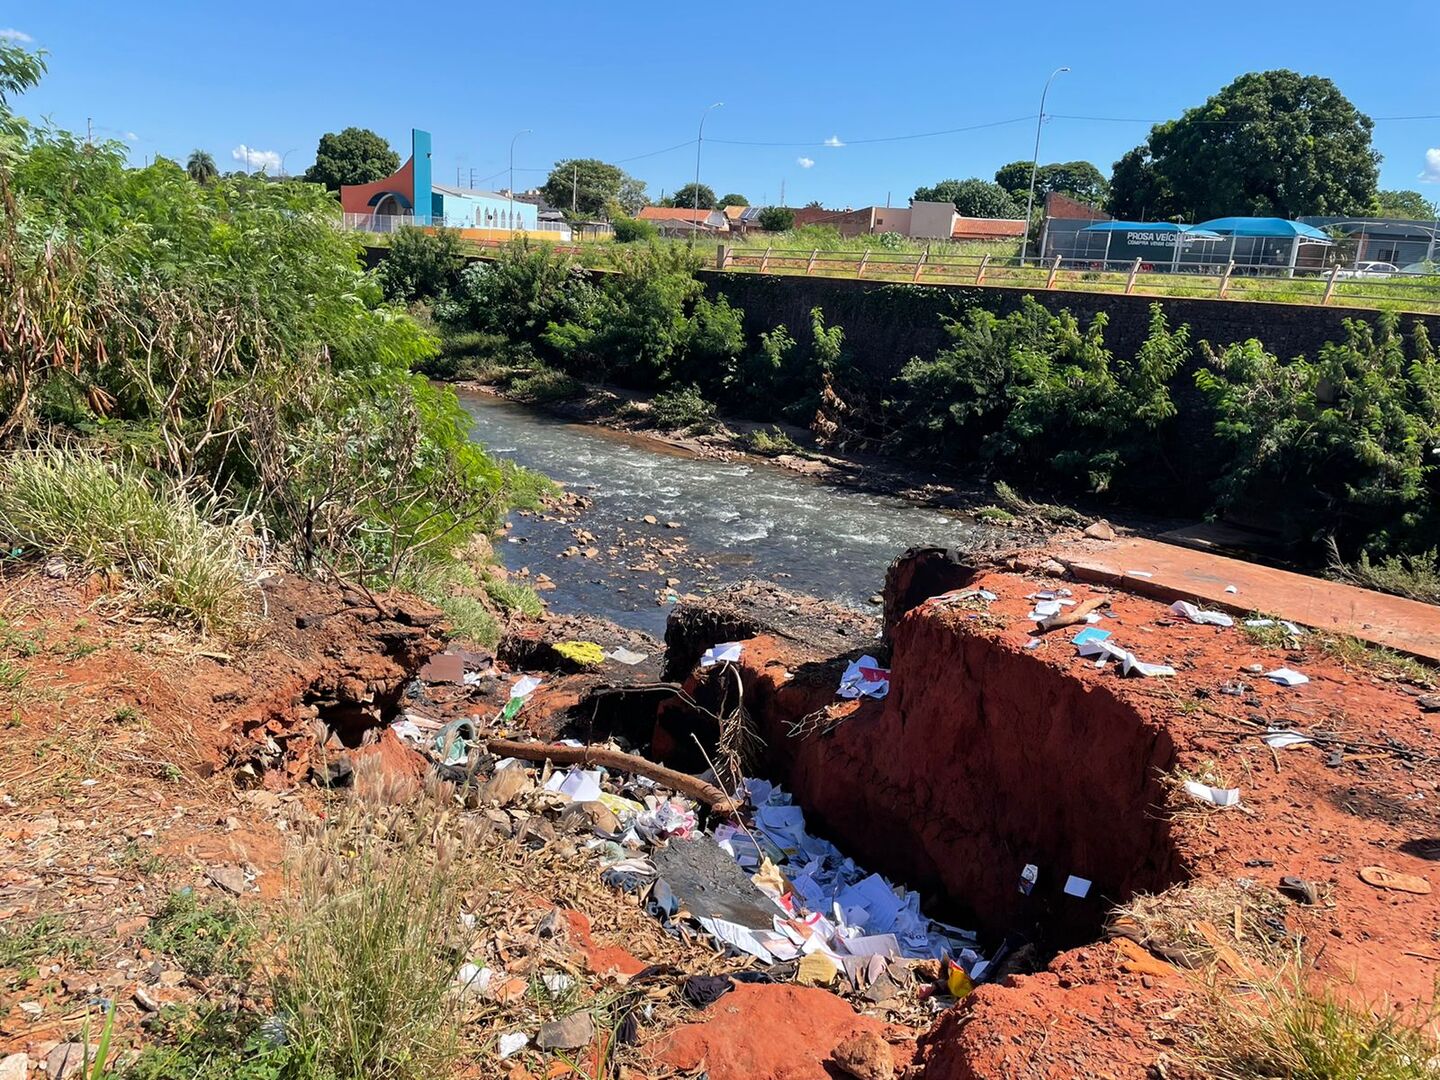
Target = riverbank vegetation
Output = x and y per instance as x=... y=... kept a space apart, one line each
x=1341 y=446
x=200 y=373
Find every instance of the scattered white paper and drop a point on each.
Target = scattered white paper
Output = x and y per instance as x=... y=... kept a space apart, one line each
x=740 y=937
x=1089 y=634
x=582 y=785
x=1286 y=677
x=622 y=655
x=1032 y=643
x=473 y=979
x=524 y=686
x=873 y=945
x=1231 y=589
x=1280 y=739
x=876 y=898
x=864 y=678
x=1139 y=573
x=1028 y=877
x=512 y=1043
x=556 y=982
x=1290 y=627
x=1189 y=611
x=727 y=650
x=1131 y=665
x=1044 y=609
x=408 y=731
x=1218 y=796
x=1077 y=886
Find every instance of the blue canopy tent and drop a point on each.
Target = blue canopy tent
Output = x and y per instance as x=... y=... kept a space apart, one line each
x=1184 y=234
x=1268 y=228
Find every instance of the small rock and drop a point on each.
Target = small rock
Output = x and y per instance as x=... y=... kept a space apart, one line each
x=1428 y=702
x=56 y=568
x=229 y=878
x=571 y=1033
x=672 y=524
x=865 y=1056
x=67 y=1059
x=649 y=519
x=1100 y=530
x=32 y=1009
x=144 y=1000
x=14 y=1067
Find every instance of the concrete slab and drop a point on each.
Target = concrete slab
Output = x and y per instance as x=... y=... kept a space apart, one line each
x=1167 y=572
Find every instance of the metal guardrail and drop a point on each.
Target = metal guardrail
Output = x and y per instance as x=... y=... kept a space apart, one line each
x=383 y=224
x=1225 y=280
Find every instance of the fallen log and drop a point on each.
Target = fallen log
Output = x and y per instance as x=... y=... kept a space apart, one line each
x=1077 y=614
x=684 y=783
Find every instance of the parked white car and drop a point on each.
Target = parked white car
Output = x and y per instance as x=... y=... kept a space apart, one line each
x=1369 y=269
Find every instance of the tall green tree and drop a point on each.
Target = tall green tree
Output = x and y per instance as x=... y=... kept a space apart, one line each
x=1406 y=204
x=1270 y=144
x=201 y=167
x=19 y=70
x=592 y=187
x=1078 y=179
x=973 y=198
x=777 y=219
x=733 y=199
x=685 y=197
x=353 y=156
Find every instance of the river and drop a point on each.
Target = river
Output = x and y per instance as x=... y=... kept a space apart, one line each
x=737 y=519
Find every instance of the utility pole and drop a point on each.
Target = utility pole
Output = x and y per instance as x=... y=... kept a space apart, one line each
x=1035 y=164
x=89 y=131
x=699 y=140
x=511 y=192
x=457 y=175
x=574 y=188
x=782 y=191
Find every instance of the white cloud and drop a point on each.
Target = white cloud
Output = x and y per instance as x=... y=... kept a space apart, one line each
x=834 y=140
x=130 y=136
x=1431 y=173
x=256 y=160
x=15 y=35
x=804 y=162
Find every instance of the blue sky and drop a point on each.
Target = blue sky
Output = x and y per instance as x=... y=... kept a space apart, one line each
x=619 y=80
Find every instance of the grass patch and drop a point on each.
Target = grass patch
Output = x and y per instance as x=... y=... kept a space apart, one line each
x=12 y=675
x=179 y=562
x=1416 y=577
x=1187 y=922
x=770 y=443
x=23 y=947
x=203 y=938
x=372 y=943
x=212 y=1045
x=514 y=598
x=1343 y=649
x=546 y=384
x=1284 y=1028
x=682 y=409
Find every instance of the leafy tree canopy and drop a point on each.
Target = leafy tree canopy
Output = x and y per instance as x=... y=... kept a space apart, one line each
x=733 y=199
x=1271 y=144
x=19 y=70
x=354 y=156
x=1405 y=204
x=973 y=198
x=592 y=187
x=685 y=197
x=1078 y=179
x=201 y=167
x=777 y=219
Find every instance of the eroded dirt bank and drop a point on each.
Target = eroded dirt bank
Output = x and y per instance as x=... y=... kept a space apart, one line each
x=996 y=749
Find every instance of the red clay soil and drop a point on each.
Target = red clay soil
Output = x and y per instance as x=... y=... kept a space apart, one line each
x=988 y=755
x=773 y=1032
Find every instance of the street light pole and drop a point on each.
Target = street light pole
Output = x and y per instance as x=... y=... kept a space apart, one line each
x=517 y=135
x=699 y=139
x=1035 y=163
x=283 y=156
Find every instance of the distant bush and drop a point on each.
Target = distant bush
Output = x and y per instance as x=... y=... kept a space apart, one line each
x=769 y=443
x=682 y=408
x=546 y=384
x=628 y=230
x=514 y=597
x=776 y=219
x=420 y=264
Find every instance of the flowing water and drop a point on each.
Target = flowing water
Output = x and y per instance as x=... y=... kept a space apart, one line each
x=738 y=519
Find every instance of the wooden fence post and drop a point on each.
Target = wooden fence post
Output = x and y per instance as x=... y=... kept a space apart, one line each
x=980 y=272
x=920 y=264
x=863 y=260
x=1130 y=281
x=809 y=266
x=1330 y=285
x=1054 y=269
x=722 y=256
x=1225 y=278
x=765 y=261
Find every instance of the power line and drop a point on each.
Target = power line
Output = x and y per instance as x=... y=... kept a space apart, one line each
x=884 y=138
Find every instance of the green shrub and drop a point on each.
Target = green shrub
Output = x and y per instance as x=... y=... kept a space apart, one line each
x=769 y=443
x=179 y=561
x=629 y=230
x=514 y=598
x=420 y=264
x=546 y=384
x=777 y=219
x=526 y=288
x=682 y=408
x=203 y=938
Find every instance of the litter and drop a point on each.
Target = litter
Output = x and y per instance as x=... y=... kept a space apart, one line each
x=578 y=784
x=1286 y=677
x=725 y=651
x=1393 y=880
x=1090 y=633
x=512 y=1043
x=584 y=653
x=556 y=982
x=622 y=655
x=1206 y=618
x=1231 y=589
x=520 y=691
x=1280 y=739
x=1078 y=887
x=1028 y=877
x=1044 y=609
x=473 y=979
x=1139 y=573
x=703 y=991
x=1032 y=643
x=1217 y=796
x=1131 y=665
x=864 y=678
x=1290 y=627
